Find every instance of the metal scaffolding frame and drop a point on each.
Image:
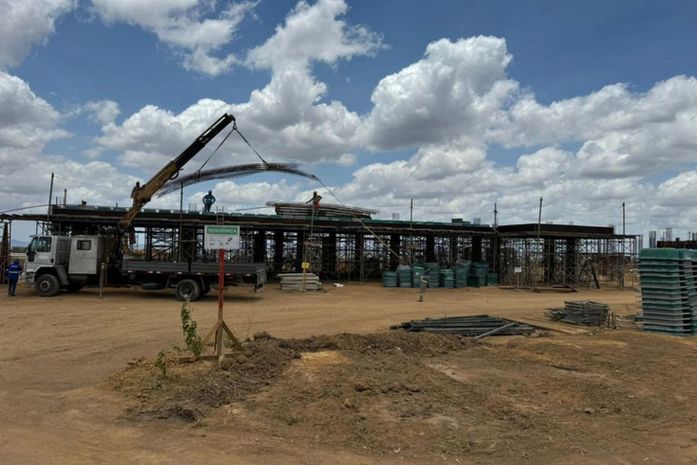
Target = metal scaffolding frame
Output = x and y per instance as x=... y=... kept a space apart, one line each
x=569 y=261
x=345 y=249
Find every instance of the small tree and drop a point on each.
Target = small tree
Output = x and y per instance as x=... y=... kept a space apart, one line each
x=191 y=337
x=161 y=363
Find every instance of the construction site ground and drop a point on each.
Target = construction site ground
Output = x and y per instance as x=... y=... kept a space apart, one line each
x=332 y=384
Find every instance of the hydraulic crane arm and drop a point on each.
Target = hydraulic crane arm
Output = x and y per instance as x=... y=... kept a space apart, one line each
x=171 y=170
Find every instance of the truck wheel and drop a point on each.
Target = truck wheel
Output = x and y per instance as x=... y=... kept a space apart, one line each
x=47 y=285
x=188 y=289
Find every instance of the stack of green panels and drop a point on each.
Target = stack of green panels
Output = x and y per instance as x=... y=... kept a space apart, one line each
x=404 y=276
x=462 y=269
x=447 y=278
x=389 y=279
x=433 y=274
x=668 y=292
x=418 y=272
x=477 y=276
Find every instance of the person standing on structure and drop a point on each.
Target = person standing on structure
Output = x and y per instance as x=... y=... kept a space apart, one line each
x=208 y=201
x=13 y=272
x=315 y=200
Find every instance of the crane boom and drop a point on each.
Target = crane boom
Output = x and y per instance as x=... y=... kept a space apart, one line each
x=171 y=170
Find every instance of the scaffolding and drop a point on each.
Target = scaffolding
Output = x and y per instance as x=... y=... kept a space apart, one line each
x=566 y=261
x=345 y=249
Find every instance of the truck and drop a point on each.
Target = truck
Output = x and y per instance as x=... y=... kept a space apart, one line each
x=58 y=262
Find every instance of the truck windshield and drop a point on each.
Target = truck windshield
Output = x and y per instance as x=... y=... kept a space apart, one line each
x=40 y=244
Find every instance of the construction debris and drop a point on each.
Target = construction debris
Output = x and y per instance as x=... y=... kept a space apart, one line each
x=581 y=312
x=298 y=282
x=477 y=326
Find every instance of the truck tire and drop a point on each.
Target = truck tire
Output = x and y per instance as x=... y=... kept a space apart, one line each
x=187 y=289
x=47 y=285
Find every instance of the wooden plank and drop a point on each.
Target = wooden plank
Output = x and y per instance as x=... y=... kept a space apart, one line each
x=551 y=326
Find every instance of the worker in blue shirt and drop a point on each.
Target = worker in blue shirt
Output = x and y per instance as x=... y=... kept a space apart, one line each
x=208 y=201
x=13 y=272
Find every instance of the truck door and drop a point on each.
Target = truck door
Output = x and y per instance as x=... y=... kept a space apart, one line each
x=39 y=252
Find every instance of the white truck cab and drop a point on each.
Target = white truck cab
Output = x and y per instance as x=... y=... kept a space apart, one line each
x=55 y=262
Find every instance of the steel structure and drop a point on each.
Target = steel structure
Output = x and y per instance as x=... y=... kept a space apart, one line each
x=350 y=249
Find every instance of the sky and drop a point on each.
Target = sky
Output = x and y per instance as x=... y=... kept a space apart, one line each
x=458 y=104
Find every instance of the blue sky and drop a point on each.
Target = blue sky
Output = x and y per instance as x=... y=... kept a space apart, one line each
x=457 y=104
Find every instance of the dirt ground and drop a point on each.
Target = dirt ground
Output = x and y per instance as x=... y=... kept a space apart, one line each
x=77 y=384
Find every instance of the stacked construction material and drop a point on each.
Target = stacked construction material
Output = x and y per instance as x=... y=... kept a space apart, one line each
x=477 y=276
x=325 y=210
x=418 y=272
x=585 y=312
x=294 y=282
x=389 y=279
x=492 y=279
x=433 y=274
x=473 y=326
x=404 y=276
x=462 y=270
x=668 y=293
x=447 y=278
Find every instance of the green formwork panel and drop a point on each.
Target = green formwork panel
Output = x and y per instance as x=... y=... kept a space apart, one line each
x=671 y=331
x=683 y=316
x=666 y=303
x=664 y=254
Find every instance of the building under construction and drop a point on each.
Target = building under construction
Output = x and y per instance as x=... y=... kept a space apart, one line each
x=347 y=244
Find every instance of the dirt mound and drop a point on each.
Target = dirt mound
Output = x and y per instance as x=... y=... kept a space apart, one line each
x=190 y=391
x=420 y=396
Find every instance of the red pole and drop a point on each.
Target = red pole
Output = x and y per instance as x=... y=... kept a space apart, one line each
x=221 y=282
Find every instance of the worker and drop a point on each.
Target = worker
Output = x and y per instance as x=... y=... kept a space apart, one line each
x=208 y=201
x=315 y=200
x=13 y=272
x=136 y=189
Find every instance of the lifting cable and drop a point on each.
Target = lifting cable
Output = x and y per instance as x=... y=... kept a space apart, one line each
x=234 y=126
x=235 y=129
x=399 y=257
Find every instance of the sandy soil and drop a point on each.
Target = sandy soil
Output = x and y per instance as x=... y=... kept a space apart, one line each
x=59 y=356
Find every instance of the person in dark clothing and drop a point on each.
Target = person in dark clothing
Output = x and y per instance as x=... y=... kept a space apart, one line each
x=208 y=201
x=13 y=272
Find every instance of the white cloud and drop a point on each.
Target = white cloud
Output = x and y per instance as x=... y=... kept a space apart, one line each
x=458 y=89
x=24 y=24
x=285 y=120
x=623 y=133
x=103 y=111
x=27 y=124
x=151 y=137
x=313 y=33
x=678 y=191
x=195 y=28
